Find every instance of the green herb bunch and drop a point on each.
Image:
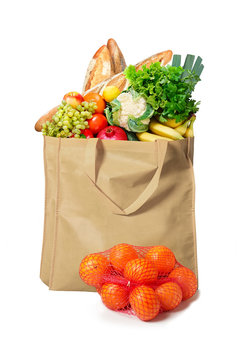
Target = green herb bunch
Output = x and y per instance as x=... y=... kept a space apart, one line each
x=167 y=89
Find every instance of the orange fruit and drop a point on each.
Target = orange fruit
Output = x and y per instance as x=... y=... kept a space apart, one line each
x=140 y=270
x=92 y=268
x=162 y=258
x=114 y=296
x=186 y=279
x=120 y=254
x=170 y=295
x=144 y=302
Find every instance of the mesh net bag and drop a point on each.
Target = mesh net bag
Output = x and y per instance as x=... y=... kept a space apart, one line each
x=143 y=281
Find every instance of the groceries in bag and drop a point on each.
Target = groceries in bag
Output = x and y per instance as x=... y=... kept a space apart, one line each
x=148 y=101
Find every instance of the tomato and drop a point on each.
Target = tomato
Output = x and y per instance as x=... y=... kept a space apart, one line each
x=97 y=123
x=87 y=133
x=100 y=102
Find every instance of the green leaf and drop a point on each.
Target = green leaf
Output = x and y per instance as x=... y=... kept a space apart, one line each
x=199 y=71
x=134 y=94
x=137 y=126
x=131 y=135
x=148 y=113
x=176 y=61
x=161 y=119
x=108 y=114
x=197 y=65
x=116 y=105
x=188 y=64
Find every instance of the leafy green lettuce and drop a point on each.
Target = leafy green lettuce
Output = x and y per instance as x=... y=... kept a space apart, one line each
x=165 y=90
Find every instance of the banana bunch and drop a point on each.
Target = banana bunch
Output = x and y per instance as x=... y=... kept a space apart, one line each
x=171 y=131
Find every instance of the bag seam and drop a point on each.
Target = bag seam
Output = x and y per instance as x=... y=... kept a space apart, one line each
x=193 y=207
x=51 y=280
x=45 y=211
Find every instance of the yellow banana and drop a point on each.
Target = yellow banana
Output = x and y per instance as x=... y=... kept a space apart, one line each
x=172 y=123
x=145 y=136
x=182 y=128
x=165 y=131
x=190 y=131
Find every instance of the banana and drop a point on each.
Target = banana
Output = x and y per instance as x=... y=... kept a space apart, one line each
x=145 y=136
x=182 y=128
x=165 y=131
x=190 y=131
x=172 y=123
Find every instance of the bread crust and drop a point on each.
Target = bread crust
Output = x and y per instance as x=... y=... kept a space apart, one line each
x=117 y=57
x=47 y=117
x=163 y=57
x=100 y=68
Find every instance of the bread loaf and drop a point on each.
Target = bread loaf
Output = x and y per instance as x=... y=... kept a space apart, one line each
x=117 y=57
x=47 y=117
x=99 y=69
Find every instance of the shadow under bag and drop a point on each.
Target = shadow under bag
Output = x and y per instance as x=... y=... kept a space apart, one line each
x=100 y=193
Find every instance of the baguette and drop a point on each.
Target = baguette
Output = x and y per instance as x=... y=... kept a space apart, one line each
x=121 y=82
x=100 y=68
x=163 y=57
x=47 y=117
x=117 y=57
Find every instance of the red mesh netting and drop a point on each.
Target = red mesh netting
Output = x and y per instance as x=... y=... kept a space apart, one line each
x=138 y=280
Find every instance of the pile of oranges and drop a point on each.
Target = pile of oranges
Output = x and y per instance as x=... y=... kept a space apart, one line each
x=145 y=280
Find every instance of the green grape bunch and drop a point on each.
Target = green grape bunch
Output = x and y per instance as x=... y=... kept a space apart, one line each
x=69 y=121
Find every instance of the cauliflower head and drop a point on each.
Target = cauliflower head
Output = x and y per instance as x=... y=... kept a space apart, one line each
x=130 y=111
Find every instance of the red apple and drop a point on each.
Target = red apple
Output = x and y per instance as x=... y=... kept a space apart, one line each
x=73 y=98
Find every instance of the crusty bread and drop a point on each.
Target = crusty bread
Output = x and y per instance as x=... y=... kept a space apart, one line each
x=120 y=81
x=107 y=61
x=47 y=117
x=100 y=68
x=163 y=57
x=117 y=57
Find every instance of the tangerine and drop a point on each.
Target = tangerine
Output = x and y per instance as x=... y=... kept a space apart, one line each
x=186 y=279
x=92 y=268
x=170 y=295
x=120 y=254
x=144 y=302
x=140 y=270
x=162 y=258
x=114 y=296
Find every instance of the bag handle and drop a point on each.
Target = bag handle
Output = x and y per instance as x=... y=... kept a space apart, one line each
x=91 y=166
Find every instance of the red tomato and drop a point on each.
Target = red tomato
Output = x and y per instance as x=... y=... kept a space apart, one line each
x=97 y=123
x=100 y=102
x=88 y=133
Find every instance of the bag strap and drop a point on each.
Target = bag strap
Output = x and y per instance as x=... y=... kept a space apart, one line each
x=92 y=165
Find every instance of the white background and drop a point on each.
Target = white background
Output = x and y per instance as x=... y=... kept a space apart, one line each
x=45 y=49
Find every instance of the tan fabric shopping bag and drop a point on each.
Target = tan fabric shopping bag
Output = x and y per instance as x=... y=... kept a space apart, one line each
x=101 y=192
